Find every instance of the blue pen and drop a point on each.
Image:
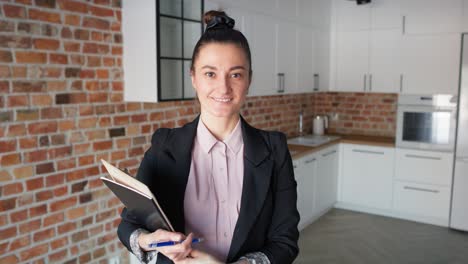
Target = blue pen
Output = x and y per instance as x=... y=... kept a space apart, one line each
x=172 y=243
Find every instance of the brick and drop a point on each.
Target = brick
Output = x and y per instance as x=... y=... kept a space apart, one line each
x=73 y=6
x=45 y=16
x=59 y=256
x=44 y=234
x=54 y=180
x=66 y=164
x=46 y=44
x=51 y=113
x=60 y=242
x=72 y=46
x=60 y=152
x=7 y=26
x=93 y=61
x=16 y=130
x=66 y=125
x=79 y=236
x=42 y=127
x=9 y=259
x=89 y=74
x=23 y=172
x=75 y=213
x=101 y=12
x=77 y=59
x=15 y=42
x=18 y=100
x=79 y=186
x=33 y=252
x=30 y=57
x=6 y=116
x=117 y=132
x=67 y=227
x=117 y=50
x=81 y=34
x=19 y=71
x=62 y=204
x=5 y=72
x=14 y=11
x=10 y=160
x=7 y=233
x=66 y=33
x=44 y=168
x=20 y=243
x=102 y=145
x=29 y=86
x=8 y=145
x=36 y=183
x=27 y=115
x=41 y=100
x=4 y=87
x=7 y=204
x=72 y=72
x=81 y=174
x=96 y=23
x=44 y=196
x=98 y=97
x=5 y=56
x=45 y=3
x=73 y=20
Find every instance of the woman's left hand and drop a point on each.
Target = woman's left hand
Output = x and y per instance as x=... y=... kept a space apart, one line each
x=199 y=257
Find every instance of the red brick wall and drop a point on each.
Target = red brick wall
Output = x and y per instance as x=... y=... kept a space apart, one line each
x=62 y=110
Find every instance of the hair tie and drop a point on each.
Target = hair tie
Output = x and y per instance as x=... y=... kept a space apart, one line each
x=220 y=21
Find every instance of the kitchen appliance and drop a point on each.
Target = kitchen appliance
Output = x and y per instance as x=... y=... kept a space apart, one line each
x=426 y=122
x=459 y=210
x=320 y=123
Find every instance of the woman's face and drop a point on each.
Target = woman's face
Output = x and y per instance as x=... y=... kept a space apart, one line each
x=221 y=79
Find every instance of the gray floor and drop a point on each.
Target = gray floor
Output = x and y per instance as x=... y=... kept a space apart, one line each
x=342 y=236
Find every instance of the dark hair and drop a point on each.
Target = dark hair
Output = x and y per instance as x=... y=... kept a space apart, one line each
x=220 y=29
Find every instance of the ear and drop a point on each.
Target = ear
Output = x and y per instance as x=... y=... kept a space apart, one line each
x=192 y=78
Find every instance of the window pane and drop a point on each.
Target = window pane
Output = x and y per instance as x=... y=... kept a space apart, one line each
x=192 y=32
x=171 y=79
x=189 y=92
x=170 y=7
x=171 y=37
x=192 y=9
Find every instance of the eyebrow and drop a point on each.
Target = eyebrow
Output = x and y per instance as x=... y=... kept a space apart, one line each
x=231 y=69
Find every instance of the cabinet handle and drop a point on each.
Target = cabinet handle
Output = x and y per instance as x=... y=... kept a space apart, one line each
x=403 y=25
x=365 y=80
x=401 y=83
x=369 y=152
x=422 y=157
x=420 y=189
x=280 y=82
x=370 y=82
x=329 y=153
x=316 y=82
x=311 y=160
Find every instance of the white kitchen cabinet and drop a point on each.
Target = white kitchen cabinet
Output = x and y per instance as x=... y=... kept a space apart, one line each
x=326 y=179
x=367 y=176
x=352 y=54
x=286 y=55
x=286 y=8
x=430 y=64
x=380 y=14
x=384 y=61
x=263 y=51
x=416 y=200
x=432 y=16
x=465 y=16
x=305 y=173
x=305 y=59
x=427 y=167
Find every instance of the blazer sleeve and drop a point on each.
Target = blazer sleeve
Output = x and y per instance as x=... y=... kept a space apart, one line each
x=145 y=174
x=283 y=234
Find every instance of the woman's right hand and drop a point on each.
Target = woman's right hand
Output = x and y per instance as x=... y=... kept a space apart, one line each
x=175 y=253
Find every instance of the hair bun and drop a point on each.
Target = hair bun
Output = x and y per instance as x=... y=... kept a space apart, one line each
x=218 y=20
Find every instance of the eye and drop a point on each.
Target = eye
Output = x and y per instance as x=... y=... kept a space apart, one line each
x=236 y=75
x=210 y=74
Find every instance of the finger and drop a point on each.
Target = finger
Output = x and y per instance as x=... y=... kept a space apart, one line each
x=164 y=235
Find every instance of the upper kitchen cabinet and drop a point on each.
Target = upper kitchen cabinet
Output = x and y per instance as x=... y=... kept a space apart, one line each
x=465 y=16
x=286 y=56
x=430 y=64
x=305 y=59
x=432 y=16
x=286 y=9
x=352 y=61
x=380 y=14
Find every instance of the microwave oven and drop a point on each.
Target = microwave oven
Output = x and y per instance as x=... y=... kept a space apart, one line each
x=426 y=122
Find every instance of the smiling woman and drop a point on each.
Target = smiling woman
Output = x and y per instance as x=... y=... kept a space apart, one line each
x=218 y=178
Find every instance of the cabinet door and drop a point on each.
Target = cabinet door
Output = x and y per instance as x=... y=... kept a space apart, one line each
x=263 y=56
x=430 y=167
x=327 y=177
x=432 y=16
x=309 y=188
x=301 y=190
x=286 y=54
x=367 y=176
x=350 y=16
x=385 y=70
x=305 y=60
x=431 y=64
x=286 y=8
x=465 y=16
x=352 y=60
x=386 y=14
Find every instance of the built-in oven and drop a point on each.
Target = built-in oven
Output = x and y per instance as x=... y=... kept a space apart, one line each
x=426 y=122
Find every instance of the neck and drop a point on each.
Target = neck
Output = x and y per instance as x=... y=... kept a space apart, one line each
x=220 y=127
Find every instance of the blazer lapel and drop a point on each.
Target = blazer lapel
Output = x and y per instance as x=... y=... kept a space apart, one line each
x=179 y=146
x=257 y=172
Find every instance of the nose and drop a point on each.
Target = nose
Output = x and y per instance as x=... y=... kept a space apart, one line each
x=224 y=85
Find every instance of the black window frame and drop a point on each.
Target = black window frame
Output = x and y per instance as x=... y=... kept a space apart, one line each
x=182 y=59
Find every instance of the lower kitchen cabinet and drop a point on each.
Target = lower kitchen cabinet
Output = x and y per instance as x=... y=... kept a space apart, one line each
x=316 y=175
x=367 y=176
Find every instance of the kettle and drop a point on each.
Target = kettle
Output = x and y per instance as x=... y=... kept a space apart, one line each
x=320 y=124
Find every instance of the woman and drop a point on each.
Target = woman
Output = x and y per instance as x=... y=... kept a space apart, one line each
x=217 y=177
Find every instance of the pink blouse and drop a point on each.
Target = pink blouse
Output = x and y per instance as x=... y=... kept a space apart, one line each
x=214 y=189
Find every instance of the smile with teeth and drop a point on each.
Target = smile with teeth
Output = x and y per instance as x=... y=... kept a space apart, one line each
x=222 y=100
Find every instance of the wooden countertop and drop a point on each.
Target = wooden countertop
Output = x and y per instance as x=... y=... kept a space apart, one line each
x=299 y=151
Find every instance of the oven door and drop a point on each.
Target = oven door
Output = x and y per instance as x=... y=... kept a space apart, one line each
x=426 y=127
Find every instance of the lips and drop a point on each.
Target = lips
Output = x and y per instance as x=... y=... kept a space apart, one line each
x=221 y=99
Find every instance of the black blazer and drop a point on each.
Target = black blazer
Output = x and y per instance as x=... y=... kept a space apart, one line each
x=268 y=215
